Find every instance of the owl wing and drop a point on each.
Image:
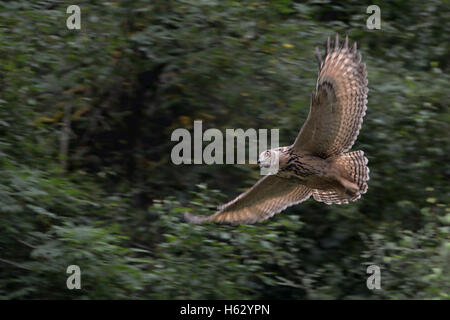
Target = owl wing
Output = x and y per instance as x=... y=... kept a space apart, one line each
x=270 y=195
x=339 y=103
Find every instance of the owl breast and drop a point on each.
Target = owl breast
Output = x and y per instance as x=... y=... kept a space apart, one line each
x=303 y=167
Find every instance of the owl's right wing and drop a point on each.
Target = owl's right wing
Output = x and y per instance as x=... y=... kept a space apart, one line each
x=338 y=105
x=269 y=196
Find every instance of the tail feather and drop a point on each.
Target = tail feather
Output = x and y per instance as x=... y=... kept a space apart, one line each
x=355 y=169
x=355 y=164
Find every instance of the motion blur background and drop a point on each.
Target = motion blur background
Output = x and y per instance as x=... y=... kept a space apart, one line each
x=86 y=177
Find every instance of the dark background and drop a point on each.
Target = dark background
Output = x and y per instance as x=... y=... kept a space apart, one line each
x=86 y=177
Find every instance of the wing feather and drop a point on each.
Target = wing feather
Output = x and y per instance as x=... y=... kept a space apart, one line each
x=269 y=196
x=339 y=103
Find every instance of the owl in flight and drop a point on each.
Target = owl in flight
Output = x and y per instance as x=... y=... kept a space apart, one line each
x=317 y=163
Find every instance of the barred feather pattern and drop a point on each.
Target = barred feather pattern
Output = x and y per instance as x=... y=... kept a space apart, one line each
x=354 y=164
x=339 y=103
x=269 y=196
x=329 y=197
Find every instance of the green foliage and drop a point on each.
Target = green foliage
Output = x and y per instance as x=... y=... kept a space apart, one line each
x=221 y=262
x=414 y=264
x=204 y=261
x=49 y=223
x=137 y=70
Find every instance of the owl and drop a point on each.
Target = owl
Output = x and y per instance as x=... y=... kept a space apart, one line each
x=318 y=163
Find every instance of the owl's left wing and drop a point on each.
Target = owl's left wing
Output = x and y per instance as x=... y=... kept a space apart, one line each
x=339 y=103
x=270 y=195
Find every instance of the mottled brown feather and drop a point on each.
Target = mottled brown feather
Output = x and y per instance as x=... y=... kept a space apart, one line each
x=270 y=195
x=338 y=105
x=355 y=165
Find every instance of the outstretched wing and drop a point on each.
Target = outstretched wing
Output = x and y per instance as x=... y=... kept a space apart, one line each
x=339 y=103
x=270 y=195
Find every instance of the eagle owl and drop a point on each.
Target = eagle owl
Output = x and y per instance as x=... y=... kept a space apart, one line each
x=317 y=163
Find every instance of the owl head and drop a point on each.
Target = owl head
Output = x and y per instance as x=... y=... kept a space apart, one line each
x=265 y=158
x=268 y=160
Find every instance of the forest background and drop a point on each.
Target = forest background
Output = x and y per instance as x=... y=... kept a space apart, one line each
x=86 y=177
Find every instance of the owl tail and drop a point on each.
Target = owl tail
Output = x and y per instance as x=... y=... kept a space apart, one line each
x=353 y=166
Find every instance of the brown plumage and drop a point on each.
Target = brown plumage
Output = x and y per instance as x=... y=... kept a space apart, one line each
x=316 y=164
